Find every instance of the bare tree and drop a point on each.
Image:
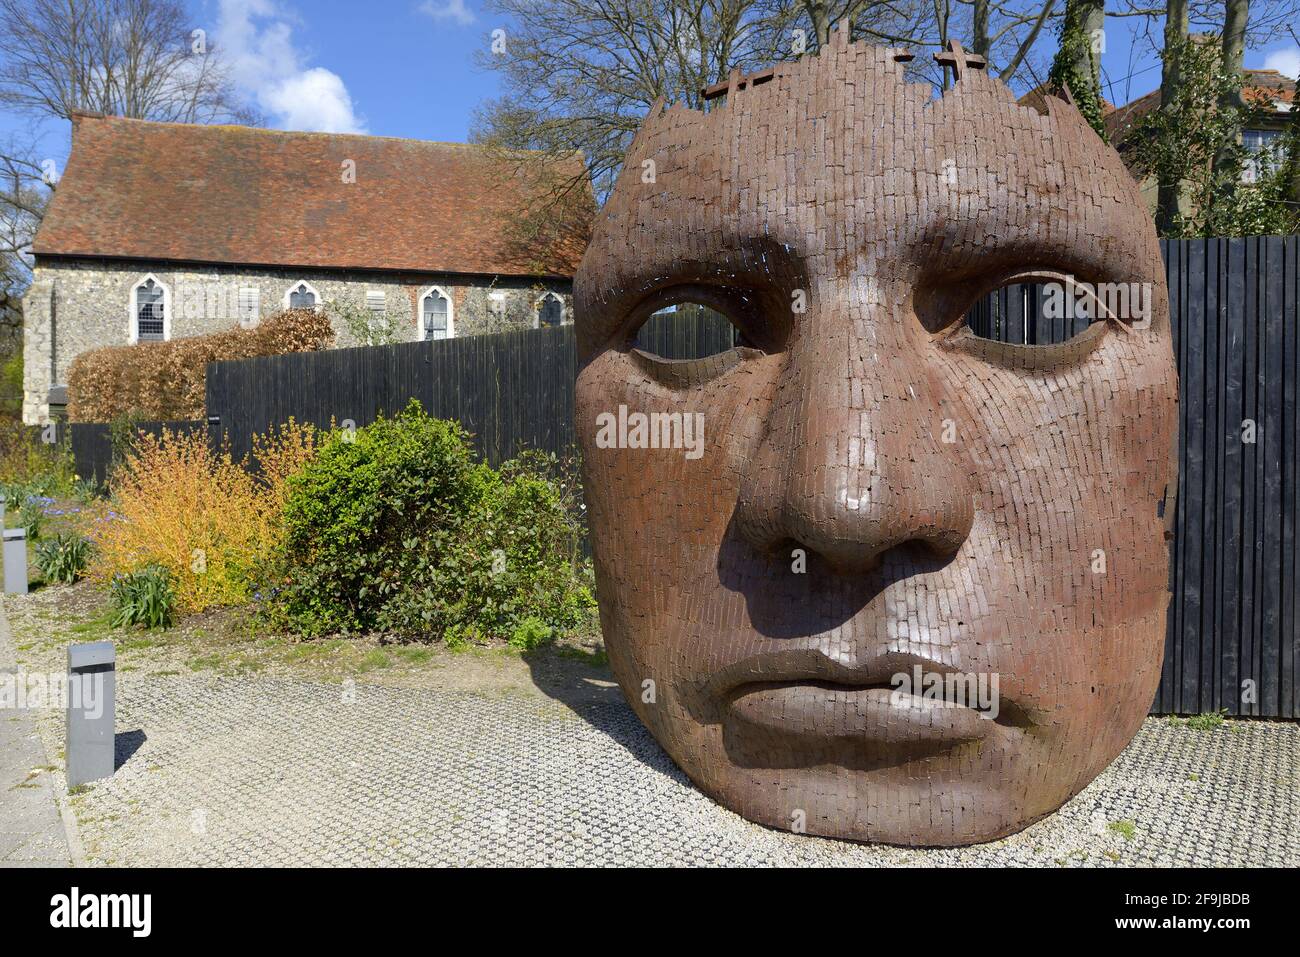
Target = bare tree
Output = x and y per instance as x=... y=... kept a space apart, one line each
x=24 y=191
x=1005 y=33
x=1078 y=59
x=579 y=75
x=136 y=58
x=1169 y=189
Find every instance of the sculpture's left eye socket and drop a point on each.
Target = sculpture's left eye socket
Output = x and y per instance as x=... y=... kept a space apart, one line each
x=1036 y=318
x=1035 y=312
x=686 y=330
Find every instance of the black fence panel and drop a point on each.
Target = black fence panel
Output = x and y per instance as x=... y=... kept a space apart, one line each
x=511 y=391
x=689 y=332
x=1232 y=641
x=92 y=443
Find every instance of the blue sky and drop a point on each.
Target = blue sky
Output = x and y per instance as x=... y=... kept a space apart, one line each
x=405 y=67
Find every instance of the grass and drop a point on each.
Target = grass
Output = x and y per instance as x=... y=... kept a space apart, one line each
x=1125 y=828
x=95 y=625
x=229 y=642
x=205 y=661
x=1210 y=721
x=374 y=660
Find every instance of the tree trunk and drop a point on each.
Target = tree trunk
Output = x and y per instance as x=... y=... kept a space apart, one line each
x=820 y=18
x=1171 y=82
x=1088 y=18
x=1236 y=13
x=1078 y=60
x=980 y=29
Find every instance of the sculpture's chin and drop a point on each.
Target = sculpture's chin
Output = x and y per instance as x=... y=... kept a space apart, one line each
x=947 y=809
x=988 y=815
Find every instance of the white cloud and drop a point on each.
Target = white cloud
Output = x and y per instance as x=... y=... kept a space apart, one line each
x=315 y=99
x=256 y=39
x=449 y=10
x=1286 y=61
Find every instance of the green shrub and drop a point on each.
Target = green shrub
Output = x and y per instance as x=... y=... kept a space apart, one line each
x=395 y=527
x=144 y=597
x=531 y=632
x=62 y=558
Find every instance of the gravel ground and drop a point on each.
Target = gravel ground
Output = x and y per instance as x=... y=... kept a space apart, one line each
x=259 y=771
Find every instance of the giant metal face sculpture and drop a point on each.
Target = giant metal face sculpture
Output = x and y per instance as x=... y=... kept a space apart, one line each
x=912 y=587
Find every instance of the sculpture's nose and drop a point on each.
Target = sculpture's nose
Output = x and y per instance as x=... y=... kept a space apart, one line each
x=861 y=453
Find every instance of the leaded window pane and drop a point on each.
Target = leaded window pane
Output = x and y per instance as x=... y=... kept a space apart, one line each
x=149 y=311
x=551 y=312
x=302 y=298
x=435 y=316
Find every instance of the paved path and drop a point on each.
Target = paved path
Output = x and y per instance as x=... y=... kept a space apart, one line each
x=256 y=771
x=31 y=830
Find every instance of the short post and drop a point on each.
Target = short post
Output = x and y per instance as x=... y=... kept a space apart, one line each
x=15 y=552
x=92 y=672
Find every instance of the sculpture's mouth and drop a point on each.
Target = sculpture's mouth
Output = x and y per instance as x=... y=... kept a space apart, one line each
x=873 y=714
x=895 y=699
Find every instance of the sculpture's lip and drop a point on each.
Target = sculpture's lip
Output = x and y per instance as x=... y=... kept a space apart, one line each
x=813 y=665
x=874 y=716
x=780 y=673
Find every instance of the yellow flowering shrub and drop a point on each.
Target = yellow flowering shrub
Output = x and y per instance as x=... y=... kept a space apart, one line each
x=198 y=513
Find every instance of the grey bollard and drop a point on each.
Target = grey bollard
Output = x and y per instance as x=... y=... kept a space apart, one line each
x=92 y=672
x=15 y=561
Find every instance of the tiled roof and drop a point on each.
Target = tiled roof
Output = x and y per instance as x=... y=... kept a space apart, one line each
x=239 y=195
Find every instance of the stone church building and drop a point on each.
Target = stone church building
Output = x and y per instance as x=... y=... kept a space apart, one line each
x=161 y=230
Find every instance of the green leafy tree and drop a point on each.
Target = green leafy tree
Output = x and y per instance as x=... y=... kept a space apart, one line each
x=1193 y=142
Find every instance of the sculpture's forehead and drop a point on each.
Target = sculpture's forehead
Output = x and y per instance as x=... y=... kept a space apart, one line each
x=808 y=138
x=843 y=160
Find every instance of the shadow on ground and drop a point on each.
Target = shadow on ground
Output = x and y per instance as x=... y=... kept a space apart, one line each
x=590 y=692
x=125 y=744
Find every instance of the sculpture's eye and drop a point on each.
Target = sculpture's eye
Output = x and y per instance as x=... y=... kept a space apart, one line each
x=1041 y=311
x=1031 y=318
x=686 y=330
x=687 y=336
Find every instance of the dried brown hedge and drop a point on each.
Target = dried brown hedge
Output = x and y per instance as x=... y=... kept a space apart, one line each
x=166 y=380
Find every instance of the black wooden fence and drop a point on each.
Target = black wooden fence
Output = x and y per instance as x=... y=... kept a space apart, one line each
x=1232 y=632
x=92 y=443
x=1232 y=640
x=512 y=391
